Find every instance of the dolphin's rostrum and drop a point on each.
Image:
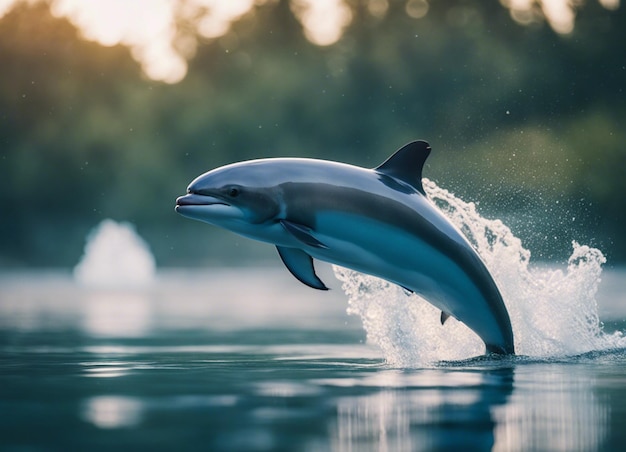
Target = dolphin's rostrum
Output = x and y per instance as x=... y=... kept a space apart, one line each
x=376 y=221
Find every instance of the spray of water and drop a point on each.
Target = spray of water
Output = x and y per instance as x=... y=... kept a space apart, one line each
x=115 y=256
x=553 y=312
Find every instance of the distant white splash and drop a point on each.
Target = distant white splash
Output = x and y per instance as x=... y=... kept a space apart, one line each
x=115 y=256
x=553 y=312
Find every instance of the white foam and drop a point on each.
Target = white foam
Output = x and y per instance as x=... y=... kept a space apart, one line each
x=115 y=256
x=553 y=312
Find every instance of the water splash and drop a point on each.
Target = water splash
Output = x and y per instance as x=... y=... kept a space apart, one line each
x=553 y=312
x=115 y=256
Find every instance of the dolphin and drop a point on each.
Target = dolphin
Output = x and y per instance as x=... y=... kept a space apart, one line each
x=376 y=221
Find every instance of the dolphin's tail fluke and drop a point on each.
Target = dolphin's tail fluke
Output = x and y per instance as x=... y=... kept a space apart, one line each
x=507 y=349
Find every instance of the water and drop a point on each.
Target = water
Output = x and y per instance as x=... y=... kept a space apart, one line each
x=553 y=310
x=115 y=256
x=250 y=359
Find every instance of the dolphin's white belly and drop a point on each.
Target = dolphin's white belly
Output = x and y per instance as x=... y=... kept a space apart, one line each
x=390 y=253
x=376 y=221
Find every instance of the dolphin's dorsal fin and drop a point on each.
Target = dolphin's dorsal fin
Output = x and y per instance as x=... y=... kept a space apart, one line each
x=406 y=164
x=300 y=264
x=444 y=316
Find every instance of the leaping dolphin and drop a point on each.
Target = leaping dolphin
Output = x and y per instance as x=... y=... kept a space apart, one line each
x=375 y=221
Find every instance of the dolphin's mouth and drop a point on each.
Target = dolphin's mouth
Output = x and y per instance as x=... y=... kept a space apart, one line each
x=193 y=199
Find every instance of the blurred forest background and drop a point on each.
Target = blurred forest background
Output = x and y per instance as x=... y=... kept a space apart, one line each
x=523 y=102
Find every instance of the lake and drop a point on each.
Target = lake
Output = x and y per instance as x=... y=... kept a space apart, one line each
x=249 y=359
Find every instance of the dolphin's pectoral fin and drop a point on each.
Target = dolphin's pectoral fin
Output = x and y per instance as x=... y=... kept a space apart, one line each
x=302 y=233
x=444 y=316
x=408 y=292
x=300 y=264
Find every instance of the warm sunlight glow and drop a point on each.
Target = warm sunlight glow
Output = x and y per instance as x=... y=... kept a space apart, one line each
x=323 y=20
x=610 y=4
x=145 y=26
x=417 y=8
x=377 y=8
x=163 y=34
x=222 y=14
x=560 y=14
x=149 y=27
x=5 y=5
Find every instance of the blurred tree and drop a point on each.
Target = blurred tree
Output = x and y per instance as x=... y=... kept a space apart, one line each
x=523 y=119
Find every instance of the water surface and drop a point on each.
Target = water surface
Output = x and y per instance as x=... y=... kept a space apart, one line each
x=247 y=359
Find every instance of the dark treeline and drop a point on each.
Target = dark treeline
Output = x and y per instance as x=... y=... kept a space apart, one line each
x=528 y=123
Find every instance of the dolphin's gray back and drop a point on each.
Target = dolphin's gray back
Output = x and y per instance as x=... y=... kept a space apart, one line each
x=379 y=198
x=375 y=221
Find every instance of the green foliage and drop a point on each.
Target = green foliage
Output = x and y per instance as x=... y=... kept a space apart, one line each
x=526 y=122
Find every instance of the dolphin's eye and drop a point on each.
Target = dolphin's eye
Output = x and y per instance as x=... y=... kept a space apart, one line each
x=233 y=192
